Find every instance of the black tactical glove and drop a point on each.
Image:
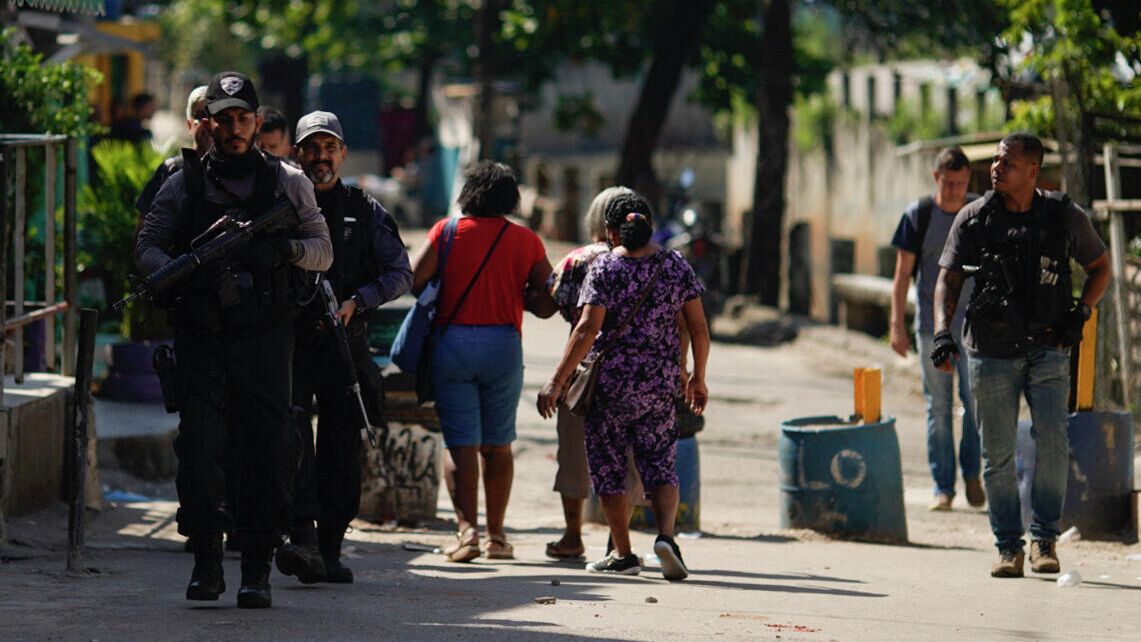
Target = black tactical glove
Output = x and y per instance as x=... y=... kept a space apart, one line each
x=267 y=252
x=1069 y=329
x=943 y=348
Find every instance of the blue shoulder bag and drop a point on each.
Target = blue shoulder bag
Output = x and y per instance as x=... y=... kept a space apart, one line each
x=410 y=340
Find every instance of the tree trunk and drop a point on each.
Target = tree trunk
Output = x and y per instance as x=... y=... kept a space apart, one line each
x=774 y=97
x=423 y=95
x=487 y=25
x=676 y=37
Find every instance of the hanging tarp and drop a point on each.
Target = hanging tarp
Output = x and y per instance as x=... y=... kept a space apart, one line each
x=91 y=7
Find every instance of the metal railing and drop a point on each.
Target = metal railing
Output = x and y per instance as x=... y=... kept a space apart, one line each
x=14 y=191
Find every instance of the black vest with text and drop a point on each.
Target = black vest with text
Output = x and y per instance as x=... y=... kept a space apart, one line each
x=1023 y=285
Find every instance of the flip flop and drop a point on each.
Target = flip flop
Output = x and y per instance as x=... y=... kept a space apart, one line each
x=466 y=547
x=499 y=549
x=564 y=555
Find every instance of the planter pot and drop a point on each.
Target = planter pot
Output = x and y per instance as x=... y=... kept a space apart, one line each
x=130 y=373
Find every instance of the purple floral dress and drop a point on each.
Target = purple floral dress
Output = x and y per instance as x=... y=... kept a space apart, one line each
x=638 y=382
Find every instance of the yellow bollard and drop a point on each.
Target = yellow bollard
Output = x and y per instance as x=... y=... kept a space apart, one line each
x=867 y=386
x=1087 y=363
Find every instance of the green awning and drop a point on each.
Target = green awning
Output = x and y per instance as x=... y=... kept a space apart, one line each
x=92 y=7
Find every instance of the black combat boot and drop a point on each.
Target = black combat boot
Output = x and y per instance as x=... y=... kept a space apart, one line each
x=329 y=541
x=300 y=556
x=206 y=582
x=255 y=593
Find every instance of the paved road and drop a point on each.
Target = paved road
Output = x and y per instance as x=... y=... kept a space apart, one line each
x=750 y=579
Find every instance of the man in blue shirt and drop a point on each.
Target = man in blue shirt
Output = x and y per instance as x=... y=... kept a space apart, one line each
x=919 y=241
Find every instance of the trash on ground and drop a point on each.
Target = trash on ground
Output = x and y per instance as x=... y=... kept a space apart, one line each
x=421 y=548
x=1134 y=557
x=546 y=599
x=1071 y=578
x=555 y=582
x=1072 y=534
x=651 y=600
x=690 y=535
x=124 y=497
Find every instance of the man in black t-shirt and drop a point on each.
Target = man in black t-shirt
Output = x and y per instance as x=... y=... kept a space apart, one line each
x=1021 y=322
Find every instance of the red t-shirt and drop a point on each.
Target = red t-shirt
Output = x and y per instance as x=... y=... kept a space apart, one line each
x=497 y=296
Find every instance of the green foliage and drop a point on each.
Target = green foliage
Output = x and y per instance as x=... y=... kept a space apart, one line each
x=910 y=123
x=42 y=98
x=577 y=112
x=813 y=119
x=107 y=216
x=1070 y=41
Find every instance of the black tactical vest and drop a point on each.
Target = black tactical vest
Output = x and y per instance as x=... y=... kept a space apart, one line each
x=231 y=293
x=348 y=213
x=1023 y=286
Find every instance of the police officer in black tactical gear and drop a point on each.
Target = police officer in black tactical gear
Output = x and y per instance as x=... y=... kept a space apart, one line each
x=370 y=267
x=1022 y=320
x=233 y=341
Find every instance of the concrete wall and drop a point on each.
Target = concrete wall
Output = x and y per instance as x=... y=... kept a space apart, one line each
x=33 y=445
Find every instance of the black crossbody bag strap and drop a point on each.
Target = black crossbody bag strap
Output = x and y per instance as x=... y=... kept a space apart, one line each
x=474 y=278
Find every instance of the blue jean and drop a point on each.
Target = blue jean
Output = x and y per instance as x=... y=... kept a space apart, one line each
x=938 y=388
x=1042 y=375
x=478 y=374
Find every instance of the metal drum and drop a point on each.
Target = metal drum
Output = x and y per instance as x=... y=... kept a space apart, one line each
x=841 y=477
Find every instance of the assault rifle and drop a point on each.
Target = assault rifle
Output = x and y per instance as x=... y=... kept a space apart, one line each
x=224 y=236
x=995 y=277
x=340 y=337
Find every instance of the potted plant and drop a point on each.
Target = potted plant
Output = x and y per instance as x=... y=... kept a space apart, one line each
x=108 y=225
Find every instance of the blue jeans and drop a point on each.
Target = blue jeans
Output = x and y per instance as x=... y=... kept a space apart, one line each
x=938 y=388
x=1043 y=375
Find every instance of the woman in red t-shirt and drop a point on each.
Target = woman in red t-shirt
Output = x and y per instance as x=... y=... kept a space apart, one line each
x=477 y=364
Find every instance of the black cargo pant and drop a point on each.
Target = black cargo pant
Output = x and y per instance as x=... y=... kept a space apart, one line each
x=237 y=450
x=328 y=483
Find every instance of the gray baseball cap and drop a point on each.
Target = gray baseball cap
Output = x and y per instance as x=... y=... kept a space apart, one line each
x=319 y=122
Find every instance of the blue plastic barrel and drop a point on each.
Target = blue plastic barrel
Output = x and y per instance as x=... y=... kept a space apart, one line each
x=1100 y=484
x=688 y=469
x=841 y=477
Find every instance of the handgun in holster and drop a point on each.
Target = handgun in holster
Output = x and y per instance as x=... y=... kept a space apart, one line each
x=165 y=367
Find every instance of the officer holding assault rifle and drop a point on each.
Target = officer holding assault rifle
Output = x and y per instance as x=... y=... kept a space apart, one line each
x=229 y=248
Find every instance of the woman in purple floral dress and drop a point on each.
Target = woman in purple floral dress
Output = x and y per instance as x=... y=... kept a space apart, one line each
x=633 y=401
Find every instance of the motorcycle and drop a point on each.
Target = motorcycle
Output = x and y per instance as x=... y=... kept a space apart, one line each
x=693 y=236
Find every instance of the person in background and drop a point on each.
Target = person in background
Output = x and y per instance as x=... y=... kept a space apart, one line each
x=130 y=127
x=918 y=242
x=477 y=364
x=634 y=296
x=197 y=125
x=572 y=478
x=274 y=136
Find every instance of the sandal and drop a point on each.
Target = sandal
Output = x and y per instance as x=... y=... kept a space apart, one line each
x=499 y=549
x=466 y=547
x=556 y=552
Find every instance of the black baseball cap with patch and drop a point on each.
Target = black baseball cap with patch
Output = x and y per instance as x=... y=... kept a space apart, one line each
x=231 y=89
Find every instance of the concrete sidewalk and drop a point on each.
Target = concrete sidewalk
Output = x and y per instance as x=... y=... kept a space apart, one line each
x=780 y=586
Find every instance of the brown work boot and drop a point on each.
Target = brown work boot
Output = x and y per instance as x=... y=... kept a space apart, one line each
x=976 y=496
x=942 y=502
x=1009 y=563
x=1044 y=556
